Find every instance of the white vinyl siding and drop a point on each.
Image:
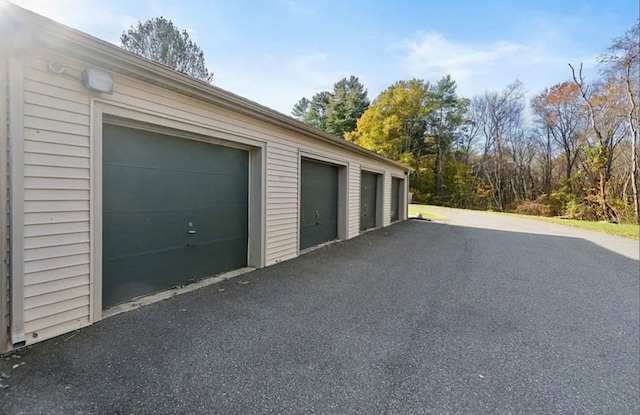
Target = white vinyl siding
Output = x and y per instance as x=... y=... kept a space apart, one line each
x=282 y=203
x=56 y=200
x=353 y=208
x=386 y=199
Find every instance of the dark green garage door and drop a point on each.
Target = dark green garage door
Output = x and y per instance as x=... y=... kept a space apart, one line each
x=318 y=203
x=395 y=199
x=368 y=198
x=174 y=210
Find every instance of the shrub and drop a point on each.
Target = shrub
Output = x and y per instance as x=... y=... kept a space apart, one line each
x=557 y=202
x=624 y=210
x=533 y=208
x=421 y=198
x=587 y=209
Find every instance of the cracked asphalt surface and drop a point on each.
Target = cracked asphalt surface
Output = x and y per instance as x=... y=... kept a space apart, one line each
x=482 y=314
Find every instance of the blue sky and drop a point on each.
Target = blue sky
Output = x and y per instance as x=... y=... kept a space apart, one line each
x=275 y=52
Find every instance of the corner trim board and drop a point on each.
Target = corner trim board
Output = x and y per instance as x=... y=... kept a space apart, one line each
x=16 y=144
x=95 y=212
x=4 y=260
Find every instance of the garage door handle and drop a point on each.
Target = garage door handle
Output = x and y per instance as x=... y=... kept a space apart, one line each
x=191 y=244
x=191 y=232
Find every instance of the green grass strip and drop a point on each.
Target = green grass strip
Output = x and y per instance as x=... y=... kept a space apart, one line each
x=624 y=230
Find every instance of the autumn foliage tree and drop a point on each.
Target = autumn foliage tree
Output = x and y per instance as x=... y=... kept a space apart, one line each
x=395 y=124
x=417 y=123
x=500 y=120
x=390 y=126
x=603 y=102
x=560 y=113
x=622 y=66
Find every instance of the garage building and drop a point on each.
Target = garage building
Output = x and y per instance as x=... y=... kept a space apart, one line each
x=125 y=178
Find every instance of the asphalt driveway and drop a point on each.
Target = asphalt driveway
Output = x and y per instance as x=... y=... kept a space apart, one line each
x=479 y=315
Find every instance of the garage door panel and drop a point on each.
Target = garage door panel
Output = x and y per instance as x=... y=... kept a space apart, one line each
x=317 y=233
x=319 y=203
x=170 y=267
x=144 y=149
x=230 y=253
x=158 y=230
x=186 y=190
x=139 y=232
x=229 y=185
x=368 y=200
x=224 y=224
x=153 y=271
x=173 y=210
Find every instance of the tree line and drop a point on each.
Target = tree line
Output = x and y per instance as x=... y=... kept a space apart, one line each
x=570 y=151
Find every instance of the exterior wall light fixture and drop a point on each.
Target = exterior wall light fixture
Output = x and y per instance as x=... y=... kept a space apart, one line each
x=97 y=80
x=94 y=79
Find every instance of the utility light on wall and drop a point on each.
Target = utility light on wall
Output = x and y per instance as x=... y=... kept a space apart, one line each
x=94 y=79
x=97 y=80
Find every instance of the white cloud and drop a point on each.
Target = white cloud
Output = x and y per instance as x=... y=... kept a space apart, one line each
x=478 y=67
x=435 y=54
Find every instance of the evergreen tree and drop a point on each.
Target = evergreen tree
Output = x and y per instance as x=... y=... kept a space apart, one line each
x=335 y=112
x=160 y=41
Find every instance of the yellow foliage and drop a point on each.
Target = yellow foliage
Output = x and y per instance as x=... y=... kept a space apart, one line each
x=382 y=127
